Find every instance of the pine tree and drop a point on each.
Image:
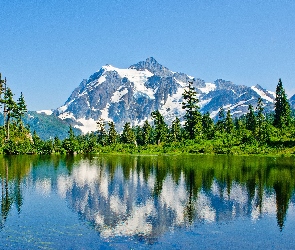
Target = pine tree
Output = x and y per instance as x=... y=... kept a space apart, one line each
x=10 y=109
x=128 y=135
x=175 y=133
x=208 y=125
x=21 y=108
x=220 y=125
x=37 y=143
x=192 y=117
x=229 y=126
x=2 y=88
x=146 y=133
x=56 y=145
x=251 y=119
x=261 y=125
x=282 y=116
x=101 y=131
x=112 y=133
x=161 y=129
x=70 y=144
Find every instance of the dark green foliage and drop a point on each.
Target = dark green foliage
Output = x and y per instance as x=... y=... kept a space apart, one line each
x=70 y=144
x=251 y=119
x=128 y=135
x=192 y=117
x=57 y=145
x=175 y=131
x=220 y=125
x=146 y=133
x=101 y=132
x=262 y=127
x=112 y=134
x=253 y=133
x=208 y=126
x=161 y=128
x=228 y=123
x=21 y=108
x=282 y=116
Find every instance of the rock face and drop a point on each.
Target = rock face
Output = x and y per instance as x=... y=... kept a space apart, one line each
x=130 y=95
x=292 y=102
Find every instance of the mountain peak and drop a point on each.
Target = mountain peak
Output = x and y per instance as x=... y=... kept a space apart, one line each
x=152 y=65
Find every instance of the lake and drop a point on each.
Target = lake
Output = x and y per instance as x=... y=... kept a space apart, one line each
x=147 y=202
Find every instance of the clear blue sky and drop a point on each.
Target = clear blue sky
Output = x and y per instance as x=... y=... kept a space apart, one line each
x=48 y=47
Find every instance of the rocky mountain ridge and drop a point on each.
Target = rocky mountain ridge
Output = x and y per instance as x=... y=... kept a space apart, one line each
x=130 y=95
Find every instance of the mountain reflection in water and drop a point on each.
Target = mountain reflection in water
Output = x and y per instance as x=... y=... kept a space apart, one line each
x=147 y=196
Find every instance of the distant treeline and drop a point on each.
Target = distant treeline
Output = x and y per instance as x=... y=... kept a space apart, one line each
x=254 y=133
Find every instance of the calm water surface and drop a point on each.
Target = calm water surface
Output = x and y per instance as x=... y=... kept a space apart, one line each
x=147 y=202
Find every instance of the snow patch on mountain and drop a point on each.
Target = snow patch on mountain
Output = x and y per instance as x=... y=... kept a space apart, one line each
x=209 y=87
x=87 y=125
x=46 y=112
x=262 y=94
x=130 y=95
x=66 y=115
x=105 y=113
x=118 y=94
x=202 y=103
x=62 y=108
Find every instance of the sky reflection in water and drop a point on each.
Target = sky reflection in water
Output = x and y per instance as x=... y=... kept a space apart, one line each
x=147 y=201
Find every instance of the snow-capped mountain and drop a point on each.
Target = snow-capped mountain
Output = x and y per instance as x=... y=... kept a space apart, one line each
x=130 y=95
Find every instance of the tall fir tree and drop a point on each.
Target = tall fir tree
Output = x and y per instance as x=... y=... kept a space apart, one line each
x=175 y=132
x=161 y=128
x=128 y=135
x=21 y=108
x=261 y=124
x=251 y=119
x=70 y=144
x=282 y=116
x=10 y=108
x=208 y=126
x=192 y=117
x=220 y=125
x=146 y=133
x=229 y=126
x=112 y=133
x=101 y=132
x=2 y=87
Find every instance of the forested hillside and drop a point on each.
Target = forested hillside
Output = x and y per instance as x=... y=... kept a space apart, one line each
x=257 y=132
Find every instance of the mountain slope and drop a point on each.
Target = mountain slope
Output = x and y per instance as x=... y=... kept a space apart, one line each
x=130 y=95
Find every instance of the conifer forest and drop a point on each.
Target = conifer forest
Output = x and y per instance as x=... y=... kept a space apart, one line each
x=257 y=132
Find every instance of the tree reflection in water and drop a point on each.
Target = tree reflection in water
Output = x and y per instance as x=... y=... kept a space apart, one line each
x=12 y=170
x=146 y=196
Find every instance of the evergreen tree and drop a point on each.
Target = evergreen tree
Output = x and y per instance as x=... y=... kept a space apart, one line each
x=208 y=125
x=261 y=125
x=146 y=133
x=112 y=133
x=251 y=119
x=2 y=88
x=21 y=108
x=175 y=133
x=57 y=146
x=282 y=116
x=192 y=117
x=220 y=125
x=128 y=135
x=101 y=132
x=70 y=144
x=37 y=143
x=229 y=126
x=10 y=109
x=161 y=129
